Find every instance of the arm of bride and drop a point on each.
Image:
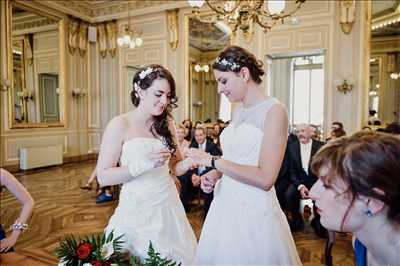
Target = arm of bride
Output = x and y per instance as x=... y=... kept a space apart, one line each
x=271 y=154
x=178 y=165
x=110 y=152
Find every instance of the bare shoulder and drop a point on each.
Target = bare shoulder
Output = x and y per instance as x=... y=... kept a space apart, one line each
x=118 y=122
x=277 y=111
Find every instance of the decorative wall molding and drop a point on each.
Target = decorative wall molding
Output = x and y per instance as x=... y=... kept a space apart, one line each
x=93 y=88
x=172 y=18
x=12 y=145
x=38 y=22
x=94 y=142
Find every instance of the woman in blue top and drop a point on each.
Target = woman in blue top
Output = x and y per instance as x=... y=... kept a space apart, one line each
x=358 y=191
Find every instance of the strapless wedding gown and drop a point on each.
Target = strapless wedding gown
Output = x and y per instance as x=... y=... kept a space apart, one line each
x=149 y=209
x=245 y=224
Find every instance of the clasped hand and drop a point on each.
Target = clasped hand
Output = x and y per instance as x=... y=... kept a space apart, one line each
x=159 y=157
x=201 y=158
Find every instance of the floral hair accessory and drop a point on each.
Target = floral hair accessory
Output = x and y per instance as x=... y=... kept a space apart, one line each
x=142 y=75
x=146 y=72
x=136 y=87
x=229 y=63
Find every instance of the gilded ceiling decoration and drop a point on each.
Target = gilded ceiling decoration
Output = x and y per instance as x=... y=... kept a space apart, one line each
x=97 y=8
x=382 y=9
x=22 y=20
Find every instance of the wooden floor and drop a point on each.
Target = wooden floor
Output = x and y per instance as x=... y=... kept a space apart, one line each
x=62 y=208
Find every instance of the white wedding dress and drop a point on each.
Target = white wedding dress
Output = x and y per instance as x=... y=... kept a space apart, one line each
x=149 y=209
x=245 y=224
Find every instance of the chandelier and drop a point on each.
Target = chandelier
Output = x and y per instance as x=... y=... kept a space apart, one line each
x=130 y=37
x=242 y=14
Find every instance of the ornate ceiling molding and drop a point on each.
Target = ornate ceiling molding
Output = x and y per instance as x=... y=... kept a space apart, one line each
x=28 y=20
x=100 y=10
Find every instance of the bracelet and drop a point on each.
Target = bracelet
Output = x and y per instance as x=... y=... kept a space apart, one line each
x=19 y=226
x=213 y=159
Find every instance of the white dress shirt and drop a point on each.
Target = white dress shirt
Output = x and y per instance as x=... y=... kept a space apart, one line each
x=305 y=154
x=202 y=168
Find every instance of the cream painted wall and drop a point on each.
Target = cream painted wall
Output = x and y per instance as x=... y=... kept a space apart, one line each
x=319 y=29
x=73 y=136
x=104 y=80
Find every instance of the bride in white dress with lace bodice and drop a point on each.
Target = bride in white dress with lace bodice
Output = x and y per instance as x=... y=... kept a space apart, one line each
x=149 y=208
x=245 y=224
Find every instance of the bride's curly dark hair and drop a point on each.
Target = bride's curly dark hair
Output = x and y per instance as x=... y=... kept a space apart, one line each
x=160 y=124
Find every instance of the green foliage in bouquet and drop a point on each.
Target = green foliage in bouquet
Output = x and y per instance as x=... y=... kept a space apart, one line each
x=154 y=259
x=96 y=250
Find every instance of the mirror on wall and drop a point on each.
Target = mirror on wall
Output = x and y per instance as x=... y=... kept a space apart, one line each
x=206 y=40
x=35 y=69
x=384 y=64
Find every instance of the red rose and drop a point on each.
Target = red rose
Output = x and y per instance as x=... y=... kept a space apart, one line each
x=96 y=263
x=84 y=250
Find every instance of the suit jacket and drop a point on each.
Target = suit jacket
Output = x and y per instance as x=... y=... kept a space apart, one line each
x=211 y=148
x=297 y=174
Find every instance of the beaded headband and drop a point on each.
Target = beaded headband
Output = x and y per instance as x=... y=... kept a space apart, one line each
x=227 y=62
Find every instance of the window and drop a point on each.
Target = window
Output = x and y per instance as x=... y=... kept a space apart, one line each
x=307 y=90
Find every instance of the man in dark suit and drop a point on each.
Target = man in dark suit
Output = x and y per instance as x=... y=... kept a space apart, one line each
x=283 y=180
x=300 y=155
x=201 y=142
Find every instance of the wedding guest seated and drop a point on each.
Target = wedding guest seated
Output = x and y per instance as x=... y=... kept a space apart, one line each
x=8 y=181
x=200 y=142
x=373 y=118
x=283 y=180
x=393 y=128
x=215 y=133
x=88 y=185
x=301 y=153
x=187 y=123
x=335 y=126
x=315 y=132
x=184 y=180
x=358 y=191
x=198 y=124
x=337 y=133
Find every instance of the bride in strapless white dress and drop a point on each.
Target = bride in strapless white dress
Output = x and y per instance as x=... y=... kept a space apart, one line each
x=143 y=142
x=149 y=209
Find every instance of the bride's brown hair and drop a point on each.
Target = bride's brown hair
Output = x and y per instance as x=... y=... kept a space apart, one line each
x=160 y=124
x=233 y=58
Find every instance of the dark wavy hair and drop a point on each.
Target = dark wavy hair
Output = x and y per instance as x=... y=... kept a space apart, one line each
x=160 y=124
x=365 y=161
x=243 y=58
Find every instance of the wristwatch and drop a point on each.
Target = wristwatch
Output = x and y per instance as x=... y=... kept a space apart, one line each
x=213 y=159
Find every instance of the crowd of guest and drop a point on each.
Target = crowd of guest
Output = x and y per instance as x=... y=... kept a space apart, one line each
x=205 y=136
x=296 y=176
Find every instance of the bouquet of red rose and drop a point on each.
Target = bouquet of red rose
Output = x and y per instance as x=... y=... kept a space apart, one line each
x=97 y=250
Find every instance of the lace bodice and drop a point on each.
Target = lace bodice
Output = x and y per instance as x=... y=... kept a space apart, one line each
x=241 y=140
